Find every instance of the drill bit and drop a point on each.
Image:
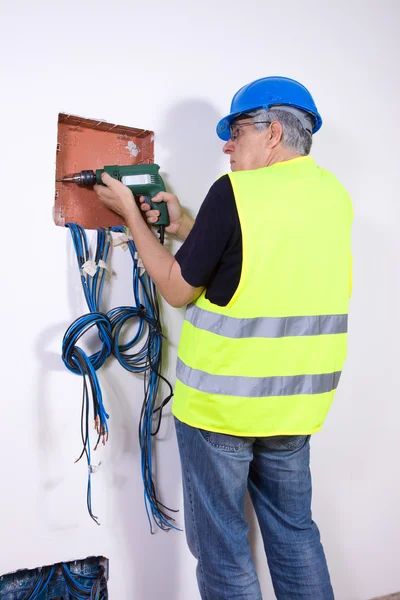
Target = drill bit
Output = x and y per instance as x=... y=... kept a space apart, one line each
x=72 y=179
x=84 y=178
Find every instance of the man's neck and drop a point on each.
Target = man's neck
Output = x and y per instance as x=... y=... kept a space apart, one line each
x=281 y=155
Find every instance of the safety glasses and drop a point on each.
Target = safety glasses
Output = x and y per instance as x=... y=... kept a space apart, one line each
x=236 y=127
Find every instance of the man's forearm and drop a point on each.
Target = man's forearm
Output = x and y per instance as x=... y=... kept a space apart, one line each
x=159 y=263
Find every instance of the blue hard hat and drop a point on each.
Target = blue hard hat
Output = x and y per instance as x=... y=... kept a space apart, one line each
x=268 y=92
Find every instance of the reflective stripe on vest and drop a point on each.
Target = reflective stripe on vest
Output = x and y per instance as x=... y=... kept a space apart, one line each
x=256 y=387
x=265 y=327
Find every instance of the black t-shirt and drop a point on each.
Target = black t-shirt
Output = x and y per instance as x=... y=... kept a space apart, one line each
x=211 y=255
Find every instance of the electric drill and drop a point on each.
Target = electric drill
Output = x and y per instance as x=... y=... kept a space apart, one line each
x=142 y=180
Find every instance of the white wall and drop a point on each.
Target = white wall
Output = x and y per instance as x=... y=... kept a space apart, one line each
x=173 y=67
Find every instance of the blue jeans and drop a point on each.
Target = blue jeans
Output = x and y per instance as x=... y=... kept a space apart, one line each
x=217 y=469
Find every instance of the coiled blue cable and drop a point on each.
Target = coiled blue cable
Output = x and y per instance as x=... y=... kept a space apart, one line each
x=145 y=360
x=76 y=359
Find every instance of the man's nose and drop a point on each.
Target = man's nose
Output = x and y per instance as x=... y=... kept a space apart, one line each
x=228 y=147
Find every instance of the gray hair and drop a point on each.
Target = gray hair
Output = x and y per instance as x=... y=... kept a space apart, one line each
x=294 y=135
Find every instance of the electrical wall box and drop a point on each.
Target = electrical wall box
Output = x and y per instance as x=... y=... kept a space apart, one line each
x=91 y=144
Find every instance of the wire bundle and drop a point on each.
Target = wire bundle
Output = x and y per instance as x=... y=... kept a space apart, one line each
x=141 y=354
x=97 y=590
x=41 y=584
x=76 y=359
x=147 y=360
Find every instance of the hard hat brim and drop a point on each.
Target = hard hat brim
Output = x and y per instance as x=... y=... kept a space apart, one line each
x=223 y=127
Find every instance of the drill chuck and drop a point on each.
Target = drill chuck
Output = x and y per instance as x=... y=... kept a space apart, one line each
x=84 y=179
x=88 y=178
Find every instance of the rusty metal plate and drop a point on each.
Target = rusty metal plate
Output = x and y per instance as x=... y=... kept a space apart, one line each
x=90 y=144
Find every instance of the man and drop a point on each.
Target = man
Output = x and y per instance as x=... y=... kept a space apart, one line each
x=265 y=270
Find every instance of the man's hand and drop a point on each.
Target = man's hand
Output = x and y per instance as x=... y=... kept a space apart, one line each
x=115 y=195
x=180 y=222
x=159 y=263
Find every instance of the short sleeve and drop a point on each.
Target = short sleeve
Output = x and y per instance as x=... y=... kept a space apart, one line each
x=210 y=236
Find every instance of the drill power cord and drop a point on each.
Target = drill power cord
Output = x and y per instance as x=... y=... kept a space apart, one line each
x=146 y=360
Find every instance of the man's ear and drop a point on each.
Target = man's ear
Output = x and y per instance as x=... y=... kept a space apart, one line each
x=275 y=134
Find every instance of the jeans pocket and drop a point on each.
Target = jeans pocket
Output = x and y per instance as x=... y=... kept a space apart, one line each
x=232 y=443
x=291 y=442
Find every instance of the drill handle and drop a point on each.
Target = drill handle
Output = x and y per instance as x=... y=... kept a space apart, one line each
x=163 y=219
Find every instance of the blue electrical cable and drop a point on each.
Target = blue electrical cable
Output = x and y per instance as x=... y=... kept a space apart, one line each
x=41 y=584
x=79 y=591
x=146 y=360
x=142 y=354
x=76 y=359
x=96 y=589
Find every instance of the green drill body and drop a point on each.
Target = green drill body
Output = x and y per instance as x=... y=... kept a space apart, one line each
x=142 y=180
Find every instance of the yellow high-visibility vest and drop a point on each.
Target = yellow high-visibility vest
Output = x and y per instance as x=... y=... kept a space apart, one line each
x=269 y=362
